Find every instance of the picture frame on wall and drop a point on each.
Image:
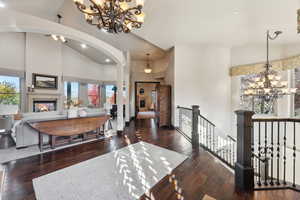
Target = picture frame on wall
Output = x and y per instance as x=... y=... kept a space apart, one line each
x=42 y=81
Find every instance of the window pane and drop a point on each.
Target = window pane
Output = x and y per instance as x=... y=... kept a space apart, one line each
x=9 y=90
x=71 y=91
x=297 y=95
x=94 y=95
x=110 y=97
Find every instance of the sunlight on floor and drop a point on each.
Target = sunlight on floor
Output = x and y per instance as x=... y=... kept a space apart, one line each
x=172 y=178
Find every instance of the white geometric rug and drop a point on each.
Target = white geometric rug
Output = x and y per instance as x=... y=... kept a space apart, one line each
x=125 y=174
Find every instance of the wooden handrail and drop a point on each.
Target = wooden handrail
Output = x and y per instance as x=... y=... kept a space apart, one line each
x=184 y=108
x=276 y=119
x=207 y=120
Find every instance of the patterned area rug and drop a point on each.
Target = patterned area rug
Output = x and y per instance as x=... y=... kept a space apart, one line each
x=125 y=174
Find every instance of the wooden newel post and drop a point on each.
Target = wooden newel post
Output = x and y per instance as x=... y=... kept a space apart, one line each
x=195 y=122
x=244 y=172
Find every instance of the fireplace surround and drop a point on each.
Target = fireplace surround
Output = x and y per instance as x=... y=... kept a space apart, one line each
x=43 y=102
x=44 y=106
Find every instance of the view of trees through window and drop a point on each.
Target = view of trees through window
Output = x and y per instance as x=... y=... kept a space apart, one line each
x=110 y=94
x=9 y=90
x=90 y=96
x=94 y=94
x=71 y=93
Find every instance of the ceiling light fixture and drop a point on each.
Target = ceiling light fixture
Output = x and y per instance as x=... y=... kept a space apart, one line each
x=148 y=70
x=267 y=86
x=2 y=5
x=84 y=46
x=114 y=16
x=107 y=60
x=58 y=37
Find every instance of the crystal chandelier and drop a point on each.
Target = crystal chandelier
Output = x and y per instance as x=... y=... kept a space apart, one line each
x=113 y=16
x=267 y=86
x=148 y=70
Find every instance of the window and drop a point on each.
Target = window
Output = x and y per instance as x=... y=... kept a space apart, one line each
x=297 y=95
x=94 y=95
x=10 y=90
x=71 y=93
x=110 y=94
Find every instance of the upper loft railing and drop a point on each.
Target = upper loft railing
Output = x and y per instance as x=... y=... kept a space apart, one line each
x=201 y=131
x=264 y=155
x=276 y=143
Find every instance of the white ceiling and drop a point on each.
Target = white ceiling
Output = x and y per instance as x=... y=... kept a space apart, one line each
x=137 y=46
x=189 y=22
x=228 y=23
x=42 y=8
x=90 y=52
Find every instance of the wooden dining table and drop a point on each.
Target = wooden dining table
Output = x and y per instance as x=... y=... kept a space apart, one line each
x=69 y=128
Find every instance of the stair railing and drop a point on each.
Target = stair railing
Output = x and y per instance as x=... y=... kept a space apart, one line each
x=202 y=132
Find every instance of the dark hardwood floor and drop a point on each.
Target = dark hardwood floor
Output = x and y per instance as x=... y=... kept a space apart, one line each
x=200 y=174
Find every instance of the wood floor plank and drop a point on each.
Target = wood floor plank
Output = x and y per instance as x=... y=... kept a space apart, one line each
x=198 y=176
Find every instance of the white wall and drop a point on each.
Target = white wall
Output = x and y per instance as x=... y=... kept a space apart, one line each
x=202 y=78
x=12 y=51
x=36 y=53
x=77 y=65
x=43 y=56
x=169 y=80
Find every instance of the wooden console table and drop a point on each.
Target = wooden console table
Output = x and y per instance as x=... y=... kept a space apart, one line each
x=69 y=128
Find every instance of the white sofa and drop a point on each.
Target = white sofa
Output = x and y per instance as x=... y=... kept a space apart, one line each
x=25 y=136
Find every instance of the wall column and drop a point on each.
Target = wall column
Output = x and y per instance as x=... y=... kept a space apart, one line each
x=127 y=87
x=120 y=81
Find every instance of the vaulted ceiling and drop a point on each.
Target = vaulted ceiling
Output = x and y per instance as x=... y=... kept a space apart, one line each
x=228 y=23
x=190 y=22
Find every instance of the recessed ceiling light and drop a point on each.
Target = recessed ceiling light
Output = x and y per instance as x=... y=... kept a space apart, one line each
x=84 y=46
x=107 y=60
x=2 y=5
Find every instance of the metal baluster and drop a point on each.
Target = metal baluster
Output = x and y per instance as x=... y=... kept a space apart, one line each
x=254 y=163
x=201 y=131
x=206 y=143
x=209 y=136
x=214 y=142
x=228 y=150
x=278 y=151
x=265 y=152
x=259 y=178
x=294 y=157
x=284 y=156
x=180 y=119
x=272 y=152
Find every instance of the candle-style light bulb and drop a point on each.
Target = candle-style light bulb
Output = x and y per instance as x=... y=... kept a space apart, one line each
x=140 y=17
x=140 y=2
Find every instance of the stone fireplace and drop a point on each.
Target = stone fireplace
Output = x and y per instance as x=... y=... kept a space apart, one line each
x=42 y=102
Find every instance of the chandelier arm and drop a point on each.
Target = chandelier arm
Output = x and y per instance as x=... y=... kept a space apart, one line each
x=100 y=11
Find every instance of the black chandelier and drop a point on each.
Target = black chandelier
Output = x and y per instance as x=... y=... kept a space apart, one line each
x=113 y=16
x=267 y=86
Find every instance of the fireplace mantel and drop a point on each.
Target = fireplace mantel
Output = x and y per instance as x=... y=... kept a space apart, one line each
x=39 y=96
